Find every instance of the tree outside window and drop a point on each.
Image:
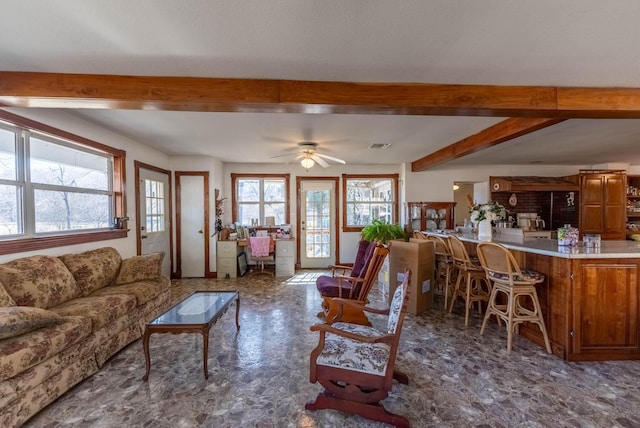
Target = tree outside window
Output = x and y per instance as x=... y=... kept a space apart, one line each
x=369 y=197
x=256 y=197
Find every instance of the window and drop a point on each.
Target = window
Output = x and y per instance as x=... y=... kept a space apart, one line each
x=368 y=197
x=154 y=205
x=256 y=197
x=56 y=189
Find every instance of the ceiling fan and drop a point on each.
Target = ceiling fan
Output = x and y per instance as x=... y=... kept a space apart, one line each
x=309 y=155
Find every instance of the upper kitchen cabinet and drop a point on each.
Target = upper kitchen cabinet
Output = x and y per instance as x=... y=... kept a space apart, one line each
x=430 y=215
x=603 y=203
x=633 y=203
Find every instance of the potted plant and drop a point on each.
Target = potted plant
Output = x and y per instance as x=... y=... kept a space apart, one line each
x=382 y=231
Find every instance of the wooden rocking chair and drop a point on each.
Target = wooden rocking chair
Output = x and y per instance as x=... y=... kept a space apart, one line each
x=352 y=287
x=355 y=363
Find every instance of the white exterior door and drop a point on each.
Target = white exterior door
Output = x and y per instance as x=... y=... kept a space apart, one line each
x=317 y=213
x=155 y=226
x=192 y=226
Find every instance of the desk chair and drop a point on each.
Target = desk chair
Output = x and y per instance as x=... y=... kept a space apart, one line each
x=261 y=250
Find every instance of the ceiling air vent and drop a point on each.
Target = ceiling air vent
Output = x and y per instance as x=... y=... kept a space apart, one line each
x=379 y=146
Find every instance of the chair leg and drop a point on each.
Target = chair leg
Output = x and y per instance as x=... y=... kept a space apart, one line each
x=490 y=305
x=468 y=303
x=447 y=278
x=511 y=307
x=454 y=295
x=543 y=328
x=374 y=412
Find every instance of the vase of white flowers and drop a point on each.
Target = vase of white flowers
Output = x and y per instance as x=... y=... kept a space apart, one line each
x=484 y=214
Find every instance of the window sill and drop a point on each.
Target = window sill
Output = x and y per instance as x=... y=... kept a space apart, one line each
x=352 y=228
x=33 y=244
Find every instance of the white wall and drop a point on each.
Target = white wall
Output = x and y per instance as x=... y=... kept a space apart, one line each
x=436 y=185
x=348 y=240
x=134 y=151
x=216 y=181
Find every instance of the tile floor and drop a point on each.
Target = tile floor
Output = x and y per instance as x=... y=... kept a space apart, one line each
x=259 y=376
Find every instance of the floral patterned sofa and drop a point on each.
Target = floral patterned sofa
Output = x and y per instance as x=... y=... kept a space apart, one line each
x=61 y=318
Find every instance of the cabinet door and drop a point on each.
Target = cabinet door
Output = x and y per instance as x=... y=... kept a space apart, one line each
x=591 y=202
x=606 y=308
x=615 y=207
x=603 y=205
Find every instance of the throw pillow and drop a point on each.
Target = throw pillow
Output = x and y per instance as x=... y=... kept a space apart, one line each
x=17 y=320
x=5 y=299
x=93 y=269
x=140 y=268
x=40 y=281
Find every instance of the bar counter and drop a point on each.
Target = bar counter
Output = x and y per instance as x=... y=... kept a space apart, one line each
x=590 y=297
x=550 y=247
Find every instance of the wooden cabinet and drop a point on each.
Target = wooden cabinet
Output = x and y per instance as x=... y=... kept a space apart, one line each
x=603 y=203
x=590 y=307
x=429 y=216
x=605 y=310
x=633 y=203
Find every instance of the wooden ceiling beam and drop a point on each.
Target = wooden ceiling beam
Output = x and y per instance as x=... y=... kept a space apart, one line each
x=55 y=90
x=494 y=135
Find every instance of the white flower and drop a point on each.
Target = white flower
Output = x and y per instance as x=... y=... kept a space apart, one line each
x=491 y=211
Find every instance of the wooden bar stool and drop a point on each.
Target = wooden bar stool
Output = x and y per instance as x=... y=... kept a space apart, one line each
x=516 y=284
x=444 y=269
x=472 y=284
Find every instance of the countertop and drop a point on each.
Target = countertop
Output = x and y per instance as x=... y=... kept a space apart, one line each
x=550 y=247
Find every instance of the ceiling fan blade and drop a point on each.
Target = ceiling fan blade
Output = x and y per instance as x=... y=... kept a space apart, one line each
x=285 y=154
x=320 y=161
x=331 y=158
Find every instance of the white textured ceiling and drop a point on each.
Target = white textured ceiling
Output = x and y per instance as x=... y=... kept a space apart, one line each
x=500 y=42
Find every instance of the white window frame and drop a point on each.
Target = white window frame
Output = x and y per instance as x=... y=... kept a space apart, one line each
x=236 y=203
x=393 y=202
x=27 y=239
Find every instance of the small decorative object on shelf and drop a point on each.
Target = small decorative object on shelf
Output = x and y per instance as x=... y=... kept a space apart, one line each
x=568 y=235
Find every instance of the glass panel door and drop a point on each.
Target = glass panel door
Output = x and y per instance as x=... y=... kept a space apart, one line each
x=318 y=241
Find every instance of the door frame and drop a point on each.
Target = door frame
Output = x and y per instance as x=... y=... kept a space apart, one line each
x=299 y=181
x=207 y=267
x=137 y=165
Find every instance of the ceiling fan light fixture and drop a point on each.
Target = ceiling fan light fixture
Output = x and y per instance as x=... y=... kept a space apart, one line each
x=307 y=163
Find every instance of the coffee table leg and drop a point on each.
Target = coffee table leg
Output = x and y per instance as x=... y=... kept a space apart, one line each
x=237 y=312
x=205 y=351
x=147 y=358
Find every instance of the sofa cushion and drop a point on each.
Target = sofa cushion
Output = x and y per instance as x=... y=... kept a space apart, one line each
x=40 y=281
x=143 y=291
x=5 y=299
x=17 y=320
x=102 y=310
x=93 y=269
x=21 y=352
x=140 y=268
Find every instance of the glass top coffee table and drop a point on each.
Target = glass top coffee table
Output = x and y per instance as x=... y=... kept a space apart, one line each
x=195 y=314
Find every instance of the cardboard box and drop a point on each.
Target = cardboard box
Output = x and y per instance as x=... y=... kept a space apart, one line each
x=417 y=255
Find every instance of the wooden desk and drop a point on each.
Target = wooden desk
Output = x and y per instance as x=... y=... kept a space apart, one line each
x=228 y=252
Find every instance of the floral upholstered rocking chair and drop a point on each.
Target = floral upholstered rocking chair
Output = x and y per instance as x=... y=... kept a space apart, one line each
x=355 y=363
